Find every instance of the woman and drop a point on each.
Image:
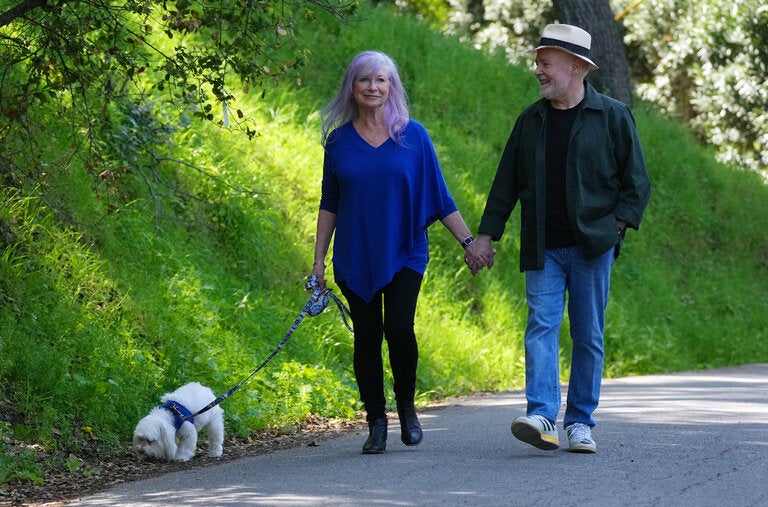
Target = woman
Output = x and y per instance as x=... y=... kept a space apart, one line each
x=382 y=187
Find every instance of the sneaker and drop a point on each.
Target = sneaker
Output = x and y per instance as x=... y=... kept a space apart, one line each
x=580 y=438
x=536 y=430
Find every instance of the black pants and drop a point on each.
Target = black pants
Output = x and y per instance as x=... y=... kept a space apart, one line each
x=398 y=301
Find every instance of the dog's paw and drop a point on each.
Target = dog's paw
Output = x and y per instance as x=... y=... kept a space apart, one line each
x=184 y=455
x=215 y=452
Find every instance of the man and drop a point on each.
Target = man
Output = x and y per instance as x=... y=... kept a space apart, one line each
x=574 y=162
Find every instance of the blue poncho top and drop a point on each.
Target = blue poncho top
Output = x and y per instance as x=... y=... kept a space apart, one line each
x=384 y=200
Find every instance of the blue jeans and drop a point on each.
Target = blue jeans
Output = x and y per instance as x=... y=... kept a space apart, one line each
x=586 y=283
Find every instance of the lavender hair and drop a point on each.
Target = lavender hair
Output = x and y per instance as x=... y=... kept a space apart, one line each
x=343 y=108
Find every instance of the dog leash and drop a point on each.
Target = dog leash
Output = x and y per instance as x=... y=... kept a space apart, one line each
x=315 y=306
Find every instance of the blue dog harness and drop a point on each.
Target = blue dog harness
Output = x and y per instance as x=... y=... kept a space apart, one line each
x=181 y=414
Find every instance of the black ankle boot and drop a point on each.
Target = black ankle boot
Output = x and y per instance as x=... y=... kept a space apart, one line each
x=377 y=437
x=410 y=427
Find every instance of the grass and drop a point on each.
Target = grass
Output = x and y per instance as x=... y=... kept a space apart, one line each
x=111 y=298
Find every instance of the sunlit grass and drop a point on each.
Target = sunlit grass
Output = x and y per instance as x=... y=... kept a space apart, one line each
x=110 y=299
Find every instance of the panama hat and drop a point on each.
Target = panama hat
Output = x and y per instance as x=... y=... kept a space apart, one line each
x=568 y=38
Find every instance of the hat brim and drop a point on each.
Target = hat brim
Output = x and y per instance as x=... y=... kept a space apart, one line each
x=592 y=65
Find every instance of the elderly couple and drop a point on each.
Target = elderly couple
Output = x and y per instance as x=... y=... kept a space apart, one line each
x=574 y=163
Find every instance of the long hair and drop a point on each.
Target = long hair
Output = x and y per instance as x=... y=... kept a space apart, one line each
x=343 y=108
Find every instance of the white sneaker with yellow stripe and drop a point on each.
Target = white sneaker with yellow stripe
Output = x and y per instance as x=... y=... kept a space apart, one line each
x=536 y=430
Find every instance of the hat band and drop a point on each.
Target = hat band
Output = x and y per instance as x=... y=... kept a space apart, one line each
x=573 y=48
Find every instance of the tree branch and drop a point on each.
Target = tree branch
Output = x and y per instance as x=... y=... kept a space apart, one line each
x=20 y=10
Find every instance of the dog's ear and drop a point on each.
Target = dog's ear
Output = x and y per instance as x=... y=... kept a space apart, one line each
x=168 y=441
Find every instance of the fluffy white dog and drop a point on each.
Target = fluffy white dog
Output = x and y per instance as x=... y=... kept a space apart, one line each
x=165 y=434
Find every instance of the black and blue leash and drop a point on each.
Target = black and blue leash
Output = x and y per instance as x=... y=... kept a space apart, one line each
x=315 y=306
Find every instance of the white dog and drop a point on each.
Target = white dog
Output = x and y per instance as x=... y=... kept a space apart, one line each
x=165 y=434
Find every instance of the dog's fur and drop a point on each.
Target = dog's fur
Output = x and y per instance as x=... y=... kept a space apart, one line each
x=156 y=437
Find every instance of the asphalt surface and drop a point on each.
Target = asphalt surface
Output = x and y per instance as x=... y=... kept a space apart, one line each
x=689 y=439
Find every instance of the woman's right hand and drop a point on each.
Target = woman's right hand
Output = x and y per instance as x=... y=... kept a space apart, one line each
x=318 y=270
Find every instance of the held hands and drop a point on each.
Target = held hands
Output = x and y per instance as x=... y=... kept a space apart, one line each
x=479 y=254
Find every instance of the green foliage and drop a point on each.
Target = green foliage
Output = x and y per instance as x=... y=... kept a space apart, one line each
x=16 y=463
x=113 y=294
x=701 y=61
x=59 y=321
x=704 y=297
x=99 y=49
x=102 y=64
x=434 y=12
x=705 y=62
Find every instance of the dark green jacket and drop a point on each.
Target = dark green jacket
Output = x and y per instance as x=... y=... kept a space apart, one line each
x=606 y=178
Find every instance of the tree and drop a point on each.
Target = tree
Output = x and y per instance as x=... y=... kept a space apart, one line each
x=75 y=45
x=102 y=60
x=515 y=26
x=608 y=51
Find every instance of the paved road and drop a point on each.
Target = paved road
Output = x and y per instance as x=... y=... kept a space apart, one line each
x=690 y=439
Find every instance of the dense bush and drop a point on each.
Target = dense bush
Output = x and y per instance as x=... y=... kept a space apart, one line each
x=706 y=62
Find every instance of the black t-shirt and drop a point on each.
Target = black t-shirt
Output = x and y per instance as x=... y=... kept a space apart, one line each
x=558 y=233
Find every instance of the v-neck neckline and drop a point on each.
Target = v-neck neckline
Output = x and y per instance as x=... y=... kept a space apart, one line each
x=362 y=138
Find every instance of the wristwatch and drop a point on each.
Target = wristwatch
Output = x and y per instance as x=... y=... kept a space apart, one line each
x=467 y=241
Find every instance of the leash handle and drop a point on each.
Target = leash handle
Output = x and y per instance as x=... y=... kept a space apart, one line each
x=321 y=298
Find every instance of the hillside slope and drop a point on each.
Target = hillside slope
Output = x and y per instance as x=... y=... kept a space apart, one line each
x=111 y=297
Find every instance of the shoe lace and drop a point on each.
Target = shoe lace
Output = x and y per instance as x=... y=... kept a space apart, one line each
x=580 y=432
